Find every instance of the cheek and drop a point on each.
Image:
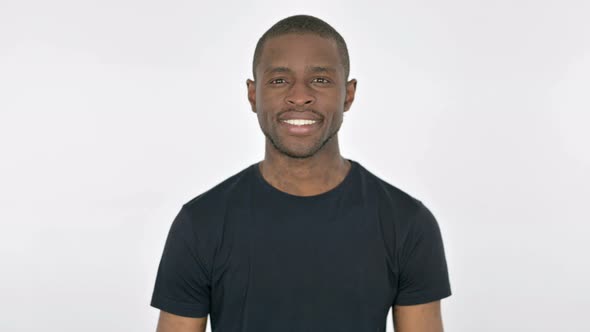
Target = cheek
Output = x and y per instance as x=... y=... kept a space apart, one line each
x=335 y=100
x=268 y=106
x=271 y=101
x=265 y=115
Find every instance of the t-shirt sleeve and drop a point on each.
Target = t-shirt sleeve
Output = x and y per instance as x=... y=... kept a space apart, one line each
x=182 y=284
x=423 y=268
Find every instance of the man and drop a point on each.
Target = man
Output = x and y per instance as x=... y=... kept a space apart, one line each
x=305 y=240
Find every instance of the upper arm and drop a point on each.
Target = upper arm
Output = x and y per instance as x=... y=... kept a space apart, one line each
x=173 y=323
x=183 y=284
x=423 y=275
x=418 y=318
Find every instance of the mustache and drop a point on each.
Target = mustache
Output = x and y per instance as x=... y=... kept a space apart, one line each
x=299 y=110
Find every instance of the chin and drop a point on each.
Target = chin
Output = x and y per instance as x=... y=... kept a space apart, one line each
x=301 y=153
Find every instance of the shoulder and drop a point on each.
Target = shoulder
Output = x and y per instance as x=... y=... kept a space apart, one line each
x=203 y=214
x=219 y=196
x=389 y=197
x=400 y=212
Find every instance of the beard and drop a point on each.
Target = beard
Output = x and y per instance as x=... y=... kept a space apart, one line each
x=308 y=152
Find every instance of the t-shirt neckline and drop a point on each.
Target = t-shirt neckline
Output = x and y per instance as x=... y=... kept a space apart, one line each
x=334 y=191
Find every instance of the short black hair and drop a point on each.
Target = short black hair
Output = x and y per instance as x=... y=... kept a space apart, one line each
x=303 y=24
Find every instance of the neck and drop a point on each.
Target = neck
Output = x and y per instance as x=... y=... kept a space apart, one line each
x=308 y=176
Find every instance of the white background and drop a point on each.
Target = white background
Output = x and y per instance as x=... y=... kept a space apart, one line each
x=115 y=113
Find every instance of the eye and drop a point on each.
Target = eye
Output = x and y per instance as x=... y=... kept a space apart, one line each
x=277 y=81
x=321 y=80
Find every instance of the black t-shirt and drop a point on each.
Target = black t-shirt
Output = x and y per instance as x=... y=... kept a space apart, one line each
x=258 y=259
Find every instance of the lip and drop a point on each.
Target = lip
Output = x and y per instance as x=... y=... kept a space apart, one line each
x=292 y=115
x=303 y=130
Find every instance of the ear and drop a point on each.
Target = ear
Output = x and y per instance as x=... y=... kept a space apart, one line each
x=350 y=91
x=251 y=94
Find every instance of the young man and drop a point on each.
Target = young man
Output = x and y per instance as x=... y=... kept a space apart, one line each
x=305 y=240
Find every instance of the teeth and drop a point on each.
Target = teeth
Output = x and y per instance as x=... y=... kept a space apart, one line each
x=299 y=122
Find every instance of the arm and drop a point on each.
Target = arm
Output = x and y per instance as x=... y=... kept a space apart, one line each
x=423 y=279
x=182 y=288
x=418 y=318
x=172 y=323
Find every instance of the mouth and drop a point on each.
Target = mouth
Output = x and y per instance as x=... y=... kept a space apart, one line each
x=300 y=127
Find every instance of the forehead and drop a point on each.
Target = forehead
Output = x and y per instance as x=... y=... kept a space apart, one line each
x=299 y=51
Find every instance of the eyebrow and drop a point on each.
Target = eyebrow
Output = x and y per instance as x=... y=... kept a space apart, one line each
x=313 y=69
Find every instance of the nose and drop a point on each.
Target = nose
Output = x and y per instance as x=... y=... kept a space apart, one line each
x=300 y=95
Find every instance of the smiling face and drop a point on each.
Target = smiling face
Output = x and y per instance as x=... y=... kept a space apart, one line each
x=300 y=94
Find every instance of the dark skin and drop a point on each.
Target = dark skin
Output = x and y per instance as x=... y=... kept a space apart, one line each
x=301 y=76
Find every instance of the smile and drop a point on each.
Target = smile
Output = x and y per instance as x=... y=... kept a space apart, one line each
x=299 y=122
x=300 y=127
